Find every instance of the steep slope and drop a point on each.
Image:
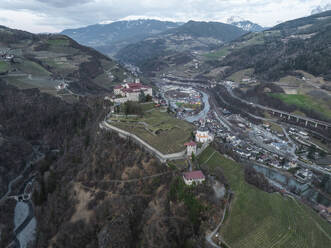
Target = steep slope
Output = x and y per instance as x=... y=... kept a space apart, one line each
x=294 y=55
x=109 y=38
x=46 y=61
x=190 y=37
x=93 y=188
x=301 y=44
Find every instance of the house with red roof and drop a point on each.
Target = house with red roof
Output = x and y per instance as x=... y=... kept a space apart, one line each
x=193 y=177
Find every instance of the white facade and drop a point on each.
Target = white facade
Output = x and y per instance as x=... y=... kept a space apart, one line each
x=133 y=96
x=118 y=91
x=191 y=181
x=131 y=91
x=191 y=177
x=191 y=147
x=149 y=91
x=202 y=135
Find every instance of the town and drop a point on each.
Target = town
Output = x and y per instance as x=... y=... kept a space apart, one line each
x=282 y=152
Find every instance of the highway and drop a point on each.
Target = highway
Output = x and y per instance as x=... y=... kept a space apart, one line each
x=313 y=167
x=229 y=89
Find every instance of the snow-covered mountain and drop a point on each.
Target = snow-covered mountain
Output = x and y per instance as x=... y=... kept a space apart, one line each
x=245 y=24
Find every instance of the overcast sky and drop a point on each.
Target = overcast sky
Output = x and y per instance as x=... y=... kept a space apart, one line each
x=56 y=15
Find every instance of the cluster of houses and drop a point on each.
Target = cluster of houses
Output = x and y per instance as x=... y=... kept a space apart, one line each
x=300 y=134
x=131 y=91
x=304 y=175
x=192 y=177
x=202 y=135
x=6 y=55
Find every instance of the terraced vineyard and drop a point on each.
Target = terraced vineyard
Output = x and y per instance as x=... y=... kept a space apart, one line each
x=42 y=61
x=260 y=219
x=157 y=128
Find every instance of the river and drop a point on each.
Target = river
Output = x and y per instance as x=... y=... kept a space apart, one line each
x=24 y=220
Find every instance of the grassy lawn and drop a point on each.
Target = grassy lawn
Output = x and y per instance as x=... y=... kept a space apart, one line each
x=306 y=102
x=18 y=82
x=217 y=54
x=259 y=219
x=158 y=128
x=187 y=105
x=147 y=106
x=59 y=42
x=253 y=39
x=274 y=127
x=60 y=67
x=31 y=67
x=4 y=66
x=240 y=75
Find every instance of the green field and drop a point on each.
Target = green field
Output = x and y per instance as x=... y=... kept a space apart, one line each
x=240 y=75
x=158 y=128
x=306 y=103
x=217 y=54
x=63 y=67
x=31 y=67
x=259 y=219
x=59 y=42
x=4 y=66
x=188 y=105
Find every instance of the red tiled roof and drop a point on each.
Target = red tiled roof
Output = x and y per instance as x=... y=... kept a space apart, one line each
x=191 y=143
x=195 y=175
x=135 y=85
x=129 y=90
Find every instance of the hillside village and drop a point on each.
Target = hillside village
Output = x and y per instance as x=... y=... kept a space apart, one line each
x=280 y=154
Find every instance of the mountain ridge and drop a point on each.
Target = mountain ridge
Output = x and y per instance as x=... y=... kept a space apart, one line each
x=44 y=60
x=109 y=38
x=245 y=24
x=187 y=38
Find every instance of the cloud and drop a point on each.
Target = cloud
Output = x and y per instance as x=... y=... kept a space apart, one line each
x=319 y=9
x=55 y=15
x=64 y=3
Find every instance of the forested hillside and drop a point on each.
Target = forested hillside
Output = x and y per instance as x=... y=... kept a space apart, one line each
x=190 y=37
x=302 y=44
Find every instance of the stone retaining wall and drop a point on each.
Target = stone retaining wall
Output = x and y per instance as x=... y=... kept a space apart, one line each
x=162 y=157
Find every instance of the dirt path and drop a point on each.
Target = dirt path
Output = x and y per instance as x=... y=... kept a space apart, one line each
x=136 y=179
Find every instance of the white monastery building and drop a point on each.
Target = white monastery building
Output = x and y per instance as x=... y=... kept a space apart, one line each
x=130 y=92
